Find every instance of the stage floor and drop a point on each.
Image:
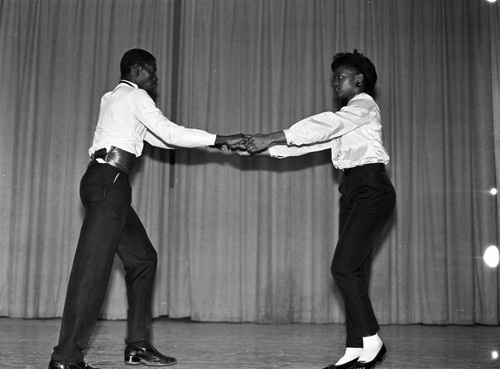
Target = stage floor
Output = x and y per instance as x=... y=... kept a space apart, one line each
x=28 y=344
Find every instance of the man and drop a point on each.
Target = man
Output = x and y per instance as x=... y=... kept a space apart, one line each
x=128 y=117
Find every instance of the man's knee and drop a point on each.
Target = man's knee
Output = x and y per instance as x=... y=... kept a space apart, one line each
x=152 y=259
x=338 y=270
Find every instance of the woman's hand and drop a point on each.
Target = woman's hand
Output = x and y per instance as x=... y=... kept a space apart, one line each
x=260 y=142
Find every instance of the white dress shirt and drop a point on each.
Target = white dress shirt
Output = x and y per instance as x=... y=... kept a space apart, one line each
x=354 y=134
x=128 y=117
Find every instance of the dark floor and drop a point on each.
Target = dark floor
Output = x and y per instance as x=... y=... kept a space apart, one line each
x=28 y=344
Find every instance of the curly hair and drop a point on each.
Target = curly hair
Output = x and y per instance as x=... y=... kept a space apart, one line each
x=360 y=63
x=135 y=57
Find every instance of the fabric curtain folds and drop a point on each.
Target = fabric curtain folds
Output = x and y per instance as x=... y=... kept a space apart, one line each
x=250 y=239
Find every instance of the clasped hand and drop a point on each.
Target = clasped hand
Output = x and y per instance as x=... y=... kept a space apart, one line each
x=246 y=144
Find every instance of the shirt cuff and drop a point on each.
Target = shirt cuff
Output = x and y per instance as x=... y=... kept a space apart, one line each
x=212 y=141
x=274 y=152
x=288 y=135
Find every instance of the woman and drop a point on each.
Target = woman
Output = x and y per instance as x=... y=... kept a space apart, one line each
x=354 y=134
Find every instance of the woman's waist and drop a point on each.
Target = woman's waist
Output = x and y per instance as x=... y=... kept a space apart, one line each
x=368 y=167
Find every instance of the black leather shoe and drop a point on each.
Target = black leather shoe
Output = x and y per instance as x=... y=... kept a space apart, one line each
x=56 y=365
x=371 y=364
x=146 y=355
x=346 y=365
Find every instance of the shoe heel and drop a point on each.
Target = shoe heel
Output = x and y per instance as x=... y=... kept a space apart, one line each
x=132 y=360
x=382 y=353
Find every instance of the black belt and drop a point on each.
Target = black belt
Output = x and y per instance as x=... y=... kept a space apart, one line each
x=374 y=167
x=116 y=157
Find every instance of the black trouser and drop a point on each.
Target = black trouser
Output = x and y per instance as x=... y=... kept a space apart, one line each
x=110 y=226
x=367 y=202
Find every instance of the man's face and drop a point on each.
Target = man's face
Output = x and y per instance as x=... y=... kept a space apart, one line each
x=147 y=79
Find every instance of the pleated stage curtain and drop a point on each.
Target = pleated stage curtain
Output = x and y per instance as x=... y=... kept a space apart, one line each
x=250 y=239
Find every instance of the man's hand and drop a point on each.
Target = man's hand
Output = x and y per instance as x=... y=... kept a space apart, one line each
x=237 y=141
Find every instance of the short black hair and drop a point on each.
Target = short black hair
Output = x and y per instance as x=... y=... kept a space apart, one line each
x=135 y=57
x=359 y=62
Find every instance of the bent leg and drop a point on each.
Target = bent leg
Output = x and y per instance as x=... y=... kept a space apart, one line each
x=365 y=208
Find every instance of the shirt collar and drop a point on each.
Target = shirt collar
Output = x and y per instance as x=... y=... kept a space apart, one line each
x=129 y=83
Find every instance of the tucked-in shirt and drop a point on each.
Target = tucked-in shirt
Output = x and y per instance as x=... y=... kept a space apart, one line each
x=128 y=116
x=354 y=135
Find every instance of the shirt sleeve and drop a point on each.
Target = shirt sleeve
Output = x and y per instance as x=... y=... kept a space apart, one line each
x=163 y=132
x=284 y=151
x=329 y=125
x=155 y=141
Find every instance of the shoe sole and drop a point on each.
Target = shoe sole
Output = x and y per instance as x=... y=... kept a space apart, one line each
x=146 y=363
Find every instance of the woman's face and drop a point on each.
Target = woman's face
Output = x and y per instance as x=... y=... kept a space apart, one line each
x=344 y=82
